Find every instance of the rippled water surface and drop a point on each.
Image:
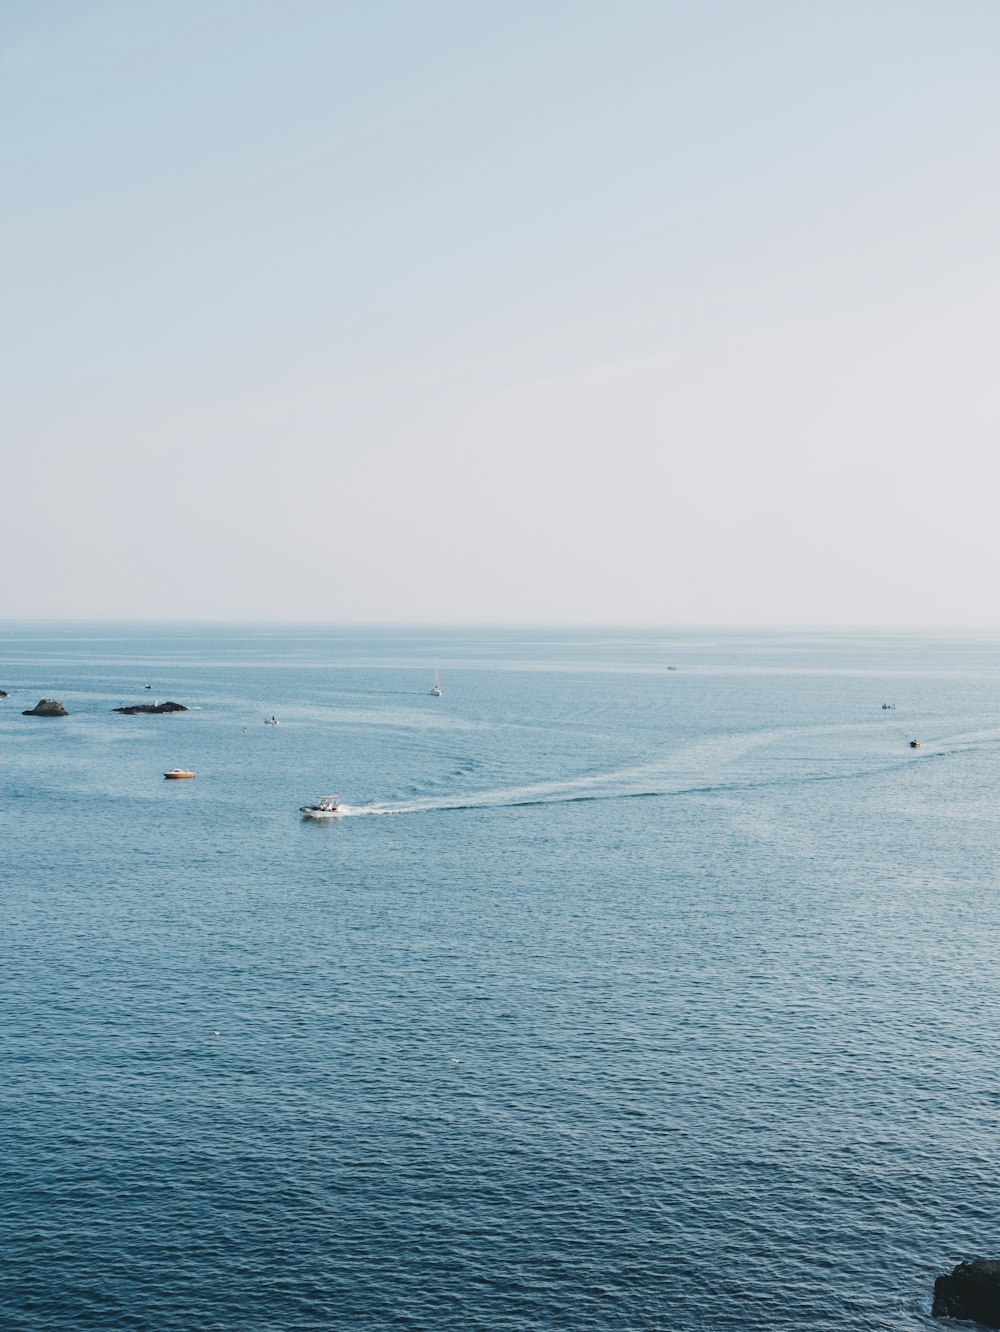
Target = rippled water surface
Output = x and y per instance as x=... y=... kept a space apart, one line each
x=622 y=997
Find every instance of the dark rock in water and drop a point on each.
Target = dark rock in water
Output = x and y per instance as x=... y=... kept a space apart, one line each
x=151 y=707
x=46 y=707
x=4 y=694
x=972 y=1291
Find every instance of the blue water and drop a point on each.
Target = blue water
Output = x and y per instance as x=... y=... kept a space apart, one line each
x=622 y=997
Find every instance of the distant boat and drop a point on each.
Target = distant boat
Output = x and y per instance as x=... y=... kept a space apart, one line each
x=916 y=744
x=327 y=808
x=271 y=721
x=175 y=774
x=887 y=706
x=435 y=690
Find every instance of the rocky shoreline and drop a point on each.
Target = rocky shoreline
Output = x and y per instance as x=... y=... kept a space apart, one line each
x=51 y=707
x=970 y=1292
x=151 y=707
x=46 y=707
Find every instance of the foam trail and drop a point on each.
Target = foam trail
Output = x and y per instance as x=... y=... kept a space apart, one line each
x=701 y=764
x=537 y=793
x=713 y=765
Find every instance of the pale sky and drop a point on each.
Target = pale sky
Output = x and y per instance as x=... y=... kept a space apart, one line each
x=501 y=310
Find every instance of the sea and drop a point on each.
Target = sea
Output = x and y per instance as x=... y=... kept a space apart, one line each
x=648 y=980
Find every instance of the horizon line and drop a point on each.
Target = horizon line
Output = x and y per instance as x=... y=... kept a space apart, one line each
x=521 y=625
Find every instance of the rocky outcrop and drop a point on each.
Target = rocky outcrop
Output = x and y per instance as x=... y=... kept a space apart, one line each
x=4 y=694
x=972 y=1291
x=151 y=707
x=46 y=707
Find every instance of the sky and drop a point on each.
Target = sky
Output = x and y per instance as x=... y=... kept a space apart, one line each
x=541 y=311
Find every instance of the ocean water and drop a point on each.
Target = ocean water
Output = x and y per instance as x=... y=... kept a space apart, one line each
x=623 y=997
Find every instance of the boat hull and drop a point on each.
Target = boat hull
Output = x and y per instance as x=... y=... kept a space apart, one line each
x=178 y=775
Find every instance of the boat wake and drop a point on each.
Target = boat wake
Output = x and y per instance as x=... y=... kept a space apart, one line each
x=558 y=793
x=726 y=763
x=619 y=785
x=513 y=800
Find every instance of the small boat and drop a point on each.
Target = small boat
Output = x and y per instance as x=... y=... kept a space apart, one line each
x=435 y=690
x=271 y=721
x=887 y=707
x=327 y=808
x=916 y=744
x=175 y=774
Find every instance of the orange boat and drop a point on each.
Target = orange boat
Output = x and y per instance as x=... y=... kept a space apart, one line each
x=177 y=773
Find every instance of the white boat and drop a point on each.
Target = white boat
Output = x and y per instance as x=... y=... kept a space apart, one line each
x=435 y=690
x=327 y=808
x=271 y=721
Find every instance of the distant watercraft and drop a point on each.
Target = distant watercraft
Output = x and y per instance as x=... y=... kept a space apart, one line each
x=327 y=808
x=271 y=721
x=916 y=744
x=435 y=690
x=176 y=774
x=887 y=706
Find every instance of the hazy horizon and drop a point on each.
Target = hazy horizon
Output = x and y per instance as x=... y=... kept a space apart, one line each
x=508 y=626
x=654 y=314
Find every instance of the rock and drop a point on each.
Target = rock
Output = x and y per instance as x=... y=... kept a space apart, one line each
x=4 y=694
x=46 y=707
x=151 y=707
x=972 y=1291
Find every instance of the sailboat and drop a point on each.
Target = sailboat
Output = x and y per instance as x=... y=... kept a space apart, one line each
x=435 y=690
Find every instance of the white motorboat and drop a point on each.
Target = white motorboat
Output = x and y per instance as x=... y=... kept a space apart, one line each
x=327 y=808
